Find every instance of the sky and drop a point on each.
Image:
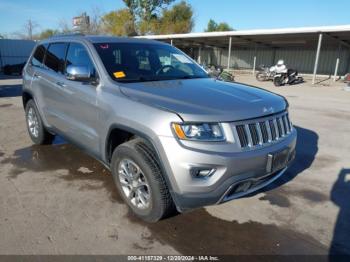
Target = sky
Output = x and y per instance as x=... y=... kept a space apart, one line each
x=239 y=14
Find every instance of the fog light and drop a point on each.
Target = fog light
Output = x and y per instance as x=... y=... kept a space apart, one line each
x=202 y=172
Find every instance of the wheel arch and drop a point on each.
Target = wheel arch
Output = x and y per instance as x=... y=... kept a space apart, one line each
x=132 y=133
x=26 y=96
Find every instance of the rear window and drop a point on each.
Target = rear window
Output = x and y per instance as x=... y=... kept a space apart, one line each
x=55 y=57
x=39 y=55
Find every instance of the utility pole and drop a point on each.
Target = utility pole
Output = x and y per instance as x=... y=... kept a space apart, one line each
x=29 y=28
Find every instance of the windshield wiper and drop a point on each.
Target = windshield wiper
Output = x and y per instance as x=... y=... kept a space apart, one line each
x=191 y=77
x=139 y=79
x=144 y=79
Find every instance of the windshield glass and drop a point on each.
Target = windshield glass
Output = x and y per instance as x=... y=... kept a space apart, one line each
x=138 y=62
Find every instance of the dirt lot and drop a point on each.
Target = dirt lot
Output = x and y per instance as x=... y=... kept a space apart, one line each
x=57 y=200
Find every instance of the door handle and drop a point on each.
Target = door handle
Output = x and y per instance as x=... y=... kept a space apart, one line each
x=60 y=84
x=37 y=76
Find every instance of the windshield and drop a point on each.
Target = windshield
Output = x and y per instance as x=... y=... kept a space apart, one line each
x=138 y=62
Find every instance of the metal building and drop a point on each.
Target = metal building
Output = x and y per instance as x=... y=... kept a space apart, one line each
x=316 y=50
x=13 y=51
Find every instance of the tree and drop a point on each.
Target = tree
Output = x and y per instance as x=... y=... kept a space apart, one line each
x=178 y=19
x=146 y=10
x=213 y=26
x=95 y=25
x=64 y=27
x=47 y=33
x=224 y=27
x=148 y=17
x=146 y=13
x=119 y=23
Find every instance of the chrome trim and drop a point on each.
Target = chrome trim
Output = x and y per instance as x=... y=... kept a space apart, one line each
x=249 y=136
x=282 y=127
x=274 y=121
x=259 y=133
x=279 y=134
x=286 y=123
x=269 y=163
x=269 y=134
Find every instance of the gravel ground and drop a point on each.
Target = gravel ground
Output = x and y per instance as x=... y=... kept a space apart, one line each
x=57 y=200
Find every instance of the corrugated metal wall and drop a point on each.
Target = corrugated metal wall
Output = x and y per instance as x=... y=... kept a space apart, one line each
x=15 y=51
x=304 y=60
x=297 y=58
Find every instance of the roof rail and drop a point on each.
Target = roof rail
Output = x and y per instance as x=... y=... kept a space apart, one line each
x=67 y=35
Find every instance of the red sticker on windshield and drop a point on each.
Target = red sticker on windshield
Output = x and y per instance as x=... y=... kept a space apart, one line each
x=104 y=46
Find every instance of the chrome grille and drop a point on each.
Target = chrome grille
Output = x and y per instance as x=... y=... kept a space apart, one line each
x=254 y=134
x=280 y=132
x=273 y=130
x=242 y=135
x=263 y=131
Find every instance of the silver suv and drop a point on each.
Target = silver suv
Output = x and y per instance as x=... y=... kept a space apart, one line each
x=173 y=138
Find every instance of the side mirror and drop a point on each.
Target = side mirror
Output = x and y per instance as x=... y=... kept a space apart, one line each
x=78 y=73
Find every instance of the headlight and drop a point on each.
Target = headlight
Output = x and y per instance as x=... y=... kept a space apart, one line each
x=201 y=132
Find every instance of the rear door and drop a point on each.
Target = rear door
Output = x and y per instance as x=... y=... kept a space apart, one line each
x=48 y=64
x=50 y=79
x=32 y=78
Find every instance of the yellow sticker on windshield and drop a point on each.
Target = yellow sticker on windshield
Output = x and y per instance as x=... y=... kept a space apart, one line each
x=119 y=74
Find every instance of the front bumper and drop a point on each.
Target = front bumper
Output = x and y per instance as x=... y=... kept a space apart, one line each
x=232 y=170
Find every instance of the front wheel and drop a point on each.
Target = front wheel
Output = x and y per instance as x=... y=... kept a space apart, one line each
x=140 y=182
x=277 y=81
x=260 y=77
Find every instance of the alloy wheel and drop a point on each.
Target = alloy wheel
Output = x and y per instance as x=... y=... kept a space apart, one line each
x=33 y=122
x=134 y=184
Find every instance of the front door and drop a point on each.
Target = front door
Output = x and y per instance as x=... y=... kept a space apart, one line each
x=80 y=101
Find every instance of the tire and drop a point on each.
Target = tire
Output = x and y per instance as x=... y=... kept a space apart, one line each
x=277 y=81
x=300 y=80
x=39 y=135
x=139 y=153
x=260 y=77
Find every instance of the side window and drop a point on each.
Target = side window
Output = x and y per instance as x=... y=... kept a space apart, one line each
x=143 y=59
x=38 y=57
x=77 y=55
x=164 y=57
x=118 y=57
x=55 y=57
x=179 y=61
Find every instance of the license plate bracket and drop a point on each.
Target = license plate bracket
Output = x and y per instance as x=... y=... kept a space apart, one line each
x=279 y=160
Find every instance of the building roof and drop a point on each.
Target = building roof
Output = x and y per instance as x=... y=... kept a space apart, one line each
x=282 y=37
x=253 y=32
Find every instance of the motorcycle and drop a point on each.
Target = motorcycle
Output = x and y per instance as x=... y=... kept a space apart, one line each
x=288 y=76
x=265 y=73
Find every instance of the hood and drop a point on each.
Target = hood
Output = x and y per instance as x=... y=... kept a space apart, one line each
x=206 y=99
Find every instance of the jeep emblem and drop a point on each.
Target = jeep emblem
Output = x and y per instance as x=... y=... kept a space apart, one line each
x=268 y=109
